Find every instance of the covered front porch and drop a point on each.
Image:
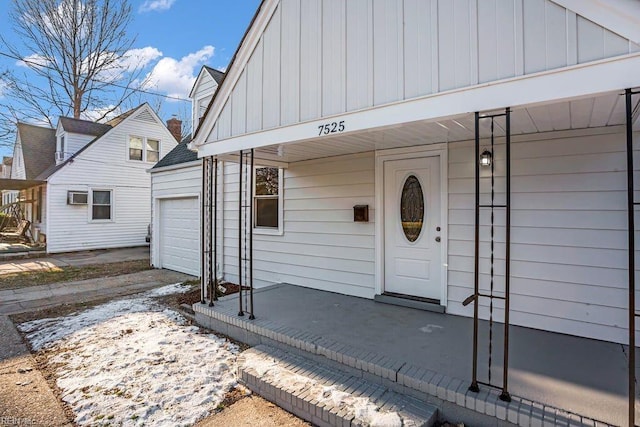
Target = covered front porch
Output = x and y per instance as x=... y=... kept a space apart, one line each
x=554 y=379
x=18 y=235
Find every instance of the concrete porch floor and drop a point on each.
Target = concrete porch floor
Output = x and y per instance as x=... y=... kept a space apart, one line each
x=581 y=376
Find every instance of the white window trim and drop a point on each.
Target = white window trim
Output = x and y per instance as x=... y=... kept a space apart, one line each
x=144 y=149
x=90 y=205
x=268 y=230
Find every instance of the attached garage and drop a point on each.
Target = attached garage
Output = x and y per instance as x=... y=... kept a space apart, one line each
x=179 y=232
x=175 y=228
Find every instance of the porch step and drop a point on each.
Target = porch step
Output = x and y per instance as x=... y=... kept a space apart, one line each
x=326 y=396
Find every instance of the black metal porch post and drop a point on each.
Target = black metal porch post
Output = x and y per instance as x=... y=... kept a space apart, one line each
x=632 y=261
x=250 y=225
x=476 y=287
x=505 y=396
x=203 y=231
x=215 y=231
x=240 y=312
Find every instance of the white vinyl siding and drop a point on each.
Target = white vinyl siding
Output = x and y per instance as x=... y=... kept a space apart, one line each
x=201 y=96
x=568 y=253
x=74 y=142
x=105 y=165
x=321 y=247
x=318 y=58
x=17 y=169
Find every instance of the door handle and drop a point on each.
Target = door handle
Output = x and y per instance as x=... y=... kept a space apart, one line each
x=437 y=238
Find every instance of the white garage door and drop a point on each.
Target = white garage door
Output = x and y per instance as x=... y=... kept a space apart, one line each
x=179 y=244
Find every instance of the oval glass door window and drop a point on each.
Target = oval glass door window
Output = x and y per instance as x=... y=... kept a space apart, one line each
x=412 y=208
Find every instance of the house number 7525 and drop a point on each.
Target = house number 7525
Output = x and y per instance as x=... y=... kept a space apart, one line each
x=333 y=127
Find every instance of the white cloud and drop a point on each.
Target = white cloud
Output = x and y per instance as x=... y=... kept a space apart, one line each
x=139 y=58
x=34 y=60
x=177 y=77
x=156 y=5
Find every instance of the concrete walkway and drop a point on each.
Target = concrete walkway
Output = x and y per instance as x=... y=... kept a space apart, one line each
x=32 y=298
x=75 y=259
x=26 y=398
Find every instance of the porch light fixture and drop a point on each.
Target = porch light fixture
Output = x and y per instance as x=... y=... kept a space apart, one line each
x=485 y=158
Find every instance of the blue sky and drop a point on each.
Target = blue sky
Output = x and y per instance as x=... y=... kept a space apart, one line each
x=176 y=37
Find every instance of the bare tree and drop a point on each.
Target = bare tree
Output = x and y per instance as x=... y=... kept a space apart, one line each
x=76 y=58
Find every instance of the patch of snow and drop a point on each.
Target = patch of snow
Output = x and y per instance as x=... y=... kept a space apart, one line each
x=364 y=411
x=134 y=362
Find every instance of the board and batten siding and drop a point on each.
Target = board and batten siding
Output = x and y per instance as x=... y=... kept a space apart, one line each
x=568 y=236
x=318 y=58
x=105 y=165
x=321 y=247
x=169 y=184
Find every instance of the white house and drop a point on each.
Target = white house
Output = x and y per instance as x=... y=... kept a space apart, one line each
x=176 y=182
x=5 y=173
x=387 y=108
x=84 y=185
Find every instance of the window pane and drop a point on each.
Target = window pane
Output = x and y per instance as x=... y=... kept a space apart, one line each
x=266 y=181
x=101 y=212
x=267 y=212
x=102 y=197
x=135 y=142
x=135 y=154
x=152 y=156
x=412 y=208
x=152 y=145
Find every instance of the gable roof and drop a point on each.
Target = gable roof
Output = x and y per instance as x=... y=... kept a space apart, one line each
x=53 y=168
x=84 y=127
x=249 y=41
x=216 y=74
x=269 y=32
x=180 y=154
x=38 y=148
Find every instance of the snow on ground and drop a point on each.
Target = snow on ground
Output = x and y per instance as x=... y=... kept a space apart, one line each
x=364 y=411
x=133 y=362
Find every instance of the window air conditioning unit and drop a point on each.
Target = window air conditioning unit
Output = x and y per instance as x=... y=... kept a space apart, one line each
x=77 y=197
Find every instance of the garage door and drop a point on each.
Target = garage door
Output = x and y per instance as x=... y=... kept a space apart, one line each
x=179 y=233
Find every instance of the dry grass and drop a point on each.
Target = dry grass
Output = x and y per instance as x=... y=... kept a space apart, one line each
x=68 y=274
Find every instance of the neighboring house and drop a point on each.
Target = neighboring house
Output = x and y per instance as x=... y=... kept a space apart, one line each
x=84 y=185
x=8 y=196
x=372 y=103
x=176 y=182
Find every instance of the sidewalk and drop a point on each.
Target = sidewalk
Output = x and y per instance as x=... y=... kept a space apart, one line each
x=75 y=259
x=26 y=398
x=32 y=298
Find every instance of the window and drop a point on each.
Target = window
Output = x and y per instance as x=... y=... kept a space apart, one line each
x=135 y=148
x=144 y=149
x=101 y=205
x=153 y=150
x=267 y=198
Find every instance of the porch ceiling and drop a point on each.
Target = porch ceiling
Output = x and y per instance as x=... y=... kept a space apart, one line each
x=592 y=112
x=18 y=184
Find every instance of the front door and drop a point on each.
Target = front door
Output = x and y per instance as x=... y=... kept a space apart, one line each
x=412 y=227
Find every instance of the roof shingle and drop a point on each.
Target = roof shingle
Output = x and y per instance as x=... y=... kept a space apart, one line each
x=179 y=154
x=38 y=148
